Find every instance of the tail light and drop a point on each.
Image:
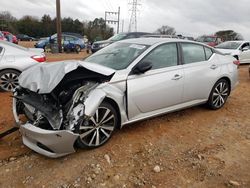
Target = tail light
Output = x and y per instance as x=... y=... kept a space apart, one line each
x=39 y=58
x=236 y=62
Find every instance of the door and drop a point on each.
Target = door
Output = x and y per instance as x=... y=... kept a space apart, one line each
x=200 y=69
x=158 y=88
x=244 y=57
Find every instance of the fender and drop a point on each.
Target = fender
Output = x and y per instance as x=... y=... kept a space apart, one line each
x=97 y=96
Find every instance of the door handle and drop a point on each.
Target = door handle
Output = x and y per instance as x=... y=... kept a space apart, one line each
x=177 y=77
x=213 y=67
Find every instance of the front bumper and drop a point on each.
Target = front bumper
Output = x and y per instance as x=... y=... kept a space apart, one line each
x=49 y=143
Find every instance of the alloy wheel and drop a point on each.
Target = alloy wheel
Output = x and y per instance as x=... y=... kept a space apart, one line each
x=220 y=94
x=9 y=81
x=99 y=128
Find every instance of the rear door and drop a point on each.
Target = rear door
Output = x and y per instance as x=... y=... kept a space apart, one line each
x=200 y=69
x=160 y=87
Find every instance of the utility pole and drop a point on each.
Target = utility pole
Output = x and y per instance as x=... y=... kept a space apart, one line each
x=58 y=25
x=133 y=18
x=113 y=21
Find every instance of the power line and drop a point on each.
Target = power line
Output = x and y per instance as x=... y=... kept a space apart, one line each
x=133 y=18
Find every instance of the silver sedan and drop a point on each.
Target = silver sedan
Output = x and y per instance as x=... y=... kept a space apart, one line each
x=13 y=60
x=81 y=103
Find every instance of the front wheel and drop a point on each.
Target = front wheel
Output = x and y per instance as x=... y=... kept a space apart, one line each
x=219 y=94
x=98 y=129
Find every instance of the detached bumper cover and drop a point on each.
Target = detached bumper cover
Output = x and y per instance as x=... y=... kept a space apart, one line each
x=49 y=143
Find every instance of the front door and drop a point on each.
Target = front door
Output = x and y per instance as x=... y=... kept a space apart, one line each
x=160 y=87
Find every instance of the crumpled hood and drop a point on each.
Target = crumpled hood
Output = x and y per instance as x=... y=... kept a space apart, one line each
x=44 y=77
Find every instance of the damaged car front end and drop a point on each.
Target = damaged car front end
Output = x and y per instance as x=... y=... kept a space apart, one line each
x=64 y=109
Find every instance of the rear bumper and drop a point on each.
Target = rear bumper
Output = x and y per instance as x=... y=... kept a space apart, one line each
x=49 y=143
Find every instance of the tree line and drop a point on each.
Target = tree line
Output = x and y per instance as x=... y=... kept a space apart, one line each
x=46 y=26
x=225 y=35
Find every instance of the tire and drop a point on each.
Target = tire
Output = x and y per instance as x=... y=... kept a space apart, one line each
x=219 y=94
x=89 y=130
x=8 y=80
x=78 y=49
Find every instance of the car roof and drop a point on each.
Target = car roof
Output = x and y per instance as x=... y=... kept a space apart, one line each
x=152 y=41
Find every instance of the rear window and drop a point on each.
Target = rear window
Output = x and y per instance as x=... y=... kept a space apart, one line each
x=208 y=52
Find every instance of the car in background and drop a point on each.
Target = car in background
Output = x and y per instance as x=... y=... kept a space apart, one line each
x=121 y=36
x=2 y=36
x=23 y=37
x=238 y=49
x=13 y=37
x=13 y=60
x=81 y=103
x=159 y=36
x=210 y=40
x=66 y=39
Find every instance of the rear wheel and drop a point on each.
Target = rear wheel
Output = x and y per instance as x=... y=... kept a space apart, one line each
x=8 y=80
x=78 y=48
x=98 y=129
x=219 y=94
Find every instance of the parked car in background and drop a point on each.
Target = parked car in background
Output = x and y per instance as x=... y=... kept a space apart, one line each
x=23 y=37
x=238 y=49
x=210 y=40
x=66 y=39
x=13 y=60
x=13 y=37
x=2 y=36
x=121 y=36
x=159 y=36
x=81 y=103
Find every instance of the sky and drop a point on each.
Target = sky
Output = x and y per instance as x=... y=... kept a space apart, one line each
x=188 y=17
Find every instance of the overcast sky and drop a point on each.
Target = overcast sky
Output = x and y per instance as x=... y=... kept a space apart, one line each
x=188 y=17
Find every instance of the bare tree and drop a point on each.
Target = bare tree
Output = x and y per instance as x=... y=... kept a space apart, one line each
x=166 y=30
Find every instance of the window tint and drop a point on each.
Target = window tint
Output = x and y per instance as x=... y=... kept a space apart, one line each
x=131 y=36
x=163 y=56
x=193 y=53
x=67 y=38
x=208 y=52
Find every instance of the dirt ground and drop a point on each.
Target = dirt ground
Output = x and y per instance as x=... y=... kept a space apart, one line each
x=192 y=148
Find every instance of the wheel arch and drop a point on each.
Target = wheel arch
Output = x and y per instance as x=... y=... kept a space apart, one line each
x=13 y=69
x=228 y=80
x=115 y=105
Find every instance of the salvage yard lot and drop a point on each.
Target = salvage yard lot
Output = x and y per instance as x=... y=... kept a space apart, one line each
x=195 y=147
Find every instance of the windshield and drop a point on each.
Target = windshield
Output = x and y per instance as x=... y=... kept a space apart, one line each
x=117 y=55
x=229 y=45
x=118 y=37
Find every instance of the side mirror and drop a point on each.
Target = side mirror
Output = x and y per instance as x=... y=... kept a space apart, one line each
x=245 y=49
x=142 y=67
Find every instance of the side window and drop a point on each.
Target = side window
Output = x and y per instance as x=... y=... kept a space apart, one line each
x=1 y=49
x=193 y=53
x=131 y=36
x=69 y=38
x=163 y=56
x=208 y=53
x=245 y=45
